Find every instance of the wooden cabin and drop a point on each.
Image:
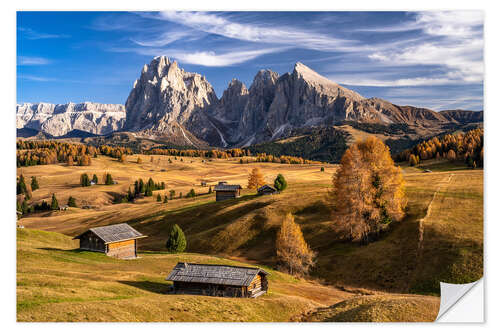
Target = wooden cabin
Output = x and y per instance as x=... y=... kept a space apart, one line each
x=218 y=280
x=266 y=190
x=117 y=240
x=224 y=191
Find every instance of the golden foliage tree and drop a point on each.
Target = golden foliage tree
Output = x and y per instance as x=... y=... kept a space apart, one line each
x=368 y=191
x=294 y=255
x=255 y=178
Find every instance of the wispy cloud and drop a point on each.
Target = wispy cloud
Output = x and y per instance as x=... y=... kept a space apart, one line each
x=32 y=61
x=35 y=78
x=258 y=33
x=457 y=46
x=29 y=33
x=203 y=58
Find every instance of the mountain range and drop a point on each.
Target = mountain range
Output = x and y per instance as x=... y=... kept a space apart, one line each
x=169 y=104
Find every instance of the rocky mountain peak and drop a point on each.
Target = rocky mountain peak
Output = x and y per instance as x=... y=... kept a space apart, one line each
x=264 y=78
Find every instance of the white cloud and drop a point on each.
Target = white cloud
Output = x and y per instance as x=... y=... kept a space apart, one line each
x=30 y=61
x=35 y=78
x=458 y=46
x=271 y=34
x=204 y=58
x=29 y=33
x=164 y=39
x=404 y=82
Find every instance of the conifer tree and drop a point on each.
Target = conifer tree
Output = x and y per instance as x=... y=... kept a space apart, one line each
x=84 y=180
x=172 y=194
x=280 y=183
x=71 y=202
x=54 y=204
x=191 y=194
x=95 y=179
x=158 y=198
x=165 y=199
x=108 y=179
x=294 y=255
x=368 y=191
x=21 y=185
x=176 y=241
x=34 y=183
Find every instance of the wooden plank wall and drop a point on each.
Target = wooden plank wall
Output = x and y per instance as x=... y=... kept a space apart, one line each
x=124 y=249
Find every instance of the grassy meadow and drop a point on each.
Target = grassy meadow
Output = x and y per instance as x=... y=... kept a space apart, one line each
x=441 y=239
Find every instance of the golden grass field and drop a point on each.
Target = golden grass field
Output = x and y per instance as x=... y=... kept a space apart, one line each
x=441 y=239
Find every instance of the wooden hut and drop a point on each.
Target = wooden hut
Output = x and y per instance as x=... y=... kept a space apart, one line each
x=224 y=191
x=117 y=240
x=218 y=280
x=266 y=190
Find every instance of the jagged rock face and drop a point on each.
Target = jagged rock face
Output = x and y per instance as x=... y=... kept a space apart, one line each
x=59 y=119
x=164 y=99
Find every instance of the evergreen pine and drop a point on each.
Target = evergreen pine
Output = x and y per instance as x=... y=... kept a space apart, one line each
x=280 y=183
x=165 y=199
x=95 y=179
x=34 y=183
x=158 y=198
x=54 y=204
x=71 y=202
x=176 y=241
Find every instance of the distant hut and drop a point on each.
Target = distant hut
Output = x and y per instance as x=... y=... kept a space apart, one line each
x=266 y=190
x=117 y=240
x=203 y=183
x=224 y=191
x=218 y=280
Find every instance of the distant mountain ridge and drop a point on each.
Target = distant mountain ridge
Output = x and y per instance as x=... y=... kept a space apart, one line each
x=169 y=104
x=60 y=119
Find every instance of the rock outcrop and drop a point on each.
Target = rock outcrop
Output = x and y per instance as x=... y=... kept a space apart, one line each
x=165 y=101
x=59 y=119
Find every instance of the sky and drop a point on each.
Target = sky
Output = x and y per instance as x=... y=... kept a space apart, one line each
x=431 y=59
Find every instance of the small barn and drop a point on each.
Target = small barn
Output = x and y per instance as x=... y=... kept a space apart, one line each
x=117 y=240
x=224 y=191
x=266 y=190
x=218 y=280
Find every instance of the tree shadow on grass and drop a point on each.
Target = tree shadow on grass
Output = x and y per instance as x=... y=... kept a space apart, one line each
x=151 y=286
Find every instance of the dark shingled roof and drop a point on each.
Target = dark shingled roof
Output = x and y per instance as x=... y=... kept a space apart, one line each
x=114 y=233
x=214 y=274
x=266 y=187
x=226 y=187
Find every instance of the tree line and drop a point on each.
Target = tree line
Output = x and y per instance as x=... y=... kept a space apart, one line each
x=43 y=152
x=466 y=147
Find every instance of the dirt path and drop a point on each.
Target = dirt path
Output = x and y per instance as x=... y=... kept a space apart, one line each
x=421 y=228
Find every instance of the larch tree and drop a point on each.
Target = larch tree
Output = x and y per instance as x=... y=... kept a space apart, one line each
x=368 y=191
x=293 y=254
x=255 y=179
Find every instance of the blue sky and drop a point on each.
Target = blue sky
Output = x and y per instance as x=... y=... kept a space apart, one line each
x=428 y=59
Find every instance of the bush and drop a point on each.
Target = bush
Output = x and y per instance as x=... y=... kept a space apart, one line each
x=191 y=194
x=176 y=241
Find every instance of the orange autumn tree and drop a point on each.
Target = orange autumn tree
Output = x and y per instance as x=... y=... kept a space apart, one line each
x=368 y=191
x=255 y=179
x=293 y=254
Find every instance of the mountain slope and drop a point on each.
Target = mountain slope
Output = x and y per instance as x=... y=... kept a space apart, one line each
x=59 y=119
